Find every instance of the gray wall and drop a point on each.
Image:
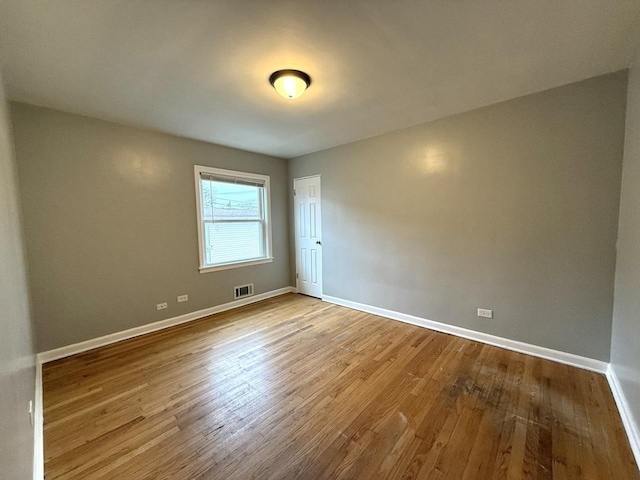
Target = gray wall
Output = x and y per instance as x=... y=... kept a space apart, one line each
x=110 y=224
x=625 y=344
x=17 y=373
x=513 y=207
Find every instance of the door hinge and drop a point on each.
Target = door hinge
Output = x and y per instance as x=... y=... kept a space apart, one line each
x=296 y=275
x=294 y=192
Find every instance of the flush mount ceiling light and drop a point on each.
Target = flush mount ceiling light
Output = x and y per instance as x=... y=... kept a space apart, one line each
x=290 y=83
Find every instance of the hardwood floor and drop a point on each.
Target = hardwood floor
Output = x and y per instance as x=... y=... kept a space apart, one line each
x=296 y=388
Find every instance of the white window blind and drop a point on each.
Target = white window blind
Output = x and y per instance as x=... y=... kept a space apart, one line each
x=233 y=217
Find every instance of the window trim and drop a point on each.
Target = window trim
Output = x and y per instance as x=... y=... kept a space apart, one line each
x=202 y=267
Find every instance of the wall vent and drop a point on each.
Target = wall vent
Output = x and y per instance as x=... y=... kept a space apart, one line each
x=243 y=291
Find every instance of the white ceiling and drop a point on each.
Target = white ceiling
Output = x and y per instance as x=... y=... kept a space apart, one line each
x=199 y=68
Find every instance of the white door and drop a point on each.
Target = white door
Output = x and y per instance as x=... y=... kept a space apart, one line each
x=307 y=207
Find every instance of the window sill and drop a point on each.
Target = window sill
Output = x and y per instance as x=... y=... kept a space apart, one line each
x=227 y=266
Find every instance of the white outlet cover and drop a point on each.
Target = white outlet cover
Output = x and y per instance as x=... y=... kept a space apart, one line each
x=485 y=313
x=183 y=298
x=161 y=306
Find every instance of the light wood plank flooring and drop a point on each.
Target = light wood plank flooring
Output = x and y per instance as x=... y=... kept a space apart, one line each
x=296 y=388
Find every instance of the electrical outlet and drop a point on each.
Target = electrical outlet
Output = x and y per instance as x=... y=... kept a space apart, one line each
x=483 y=312
x=31 y=412
x=183 y=298
x=161 y=306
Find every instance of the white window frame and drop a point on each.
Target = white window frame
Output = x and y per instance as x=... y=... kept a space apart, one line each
x=266 y=202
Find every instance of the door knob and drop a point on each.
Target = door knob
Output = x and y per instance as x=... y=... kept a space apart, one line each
x=318 y=242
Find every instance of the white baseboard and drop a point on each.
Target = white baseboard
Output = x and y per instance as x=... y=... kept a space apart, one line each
x=629 y=422
x=38 y=427
x=76 y=348
x=535 y=350
x=58 y=353
x=630 y=425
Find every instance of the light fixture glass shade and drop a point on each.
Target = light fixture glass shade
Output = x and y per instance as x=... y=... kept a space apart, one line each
x=290 y=83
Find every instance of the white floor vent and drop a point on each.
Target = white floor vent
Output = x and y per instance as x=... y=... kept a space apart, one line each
x=243 y=291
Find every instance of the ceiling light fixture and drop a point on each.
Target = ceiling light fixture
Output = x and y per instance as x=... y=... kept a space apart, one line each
x=290 y=83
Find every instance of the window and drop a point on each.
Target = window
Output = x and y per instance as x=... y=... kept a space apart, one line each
x=233 y=218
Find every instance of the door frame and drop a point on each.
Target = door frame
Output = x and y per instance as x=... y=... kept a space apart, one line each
x=295 y=230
